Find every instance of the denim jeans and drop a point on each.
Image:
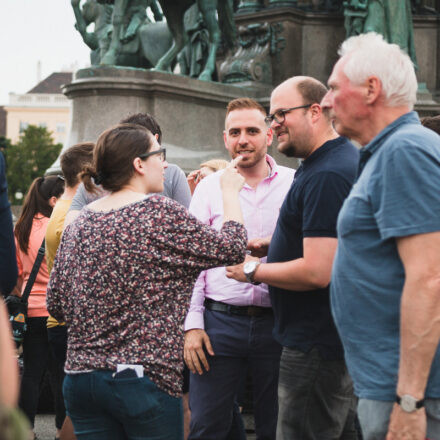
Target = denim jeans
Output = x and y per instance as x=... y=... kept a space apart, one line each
x=105 y=408
x=315 y=398
x=374 y=416
x=37 y=357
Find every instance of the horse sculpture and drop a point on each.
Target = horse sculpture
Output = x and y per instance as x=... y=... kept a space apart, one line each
x=142 y=44
x=174 y=12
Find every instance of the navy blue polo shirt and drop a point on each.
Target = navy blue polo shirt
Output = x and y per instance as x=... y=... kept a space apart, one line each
x=303 y=319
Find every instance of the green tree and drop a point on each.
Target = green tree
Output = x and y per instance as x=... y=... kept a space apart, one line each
x=33 y=154
x=5 y=143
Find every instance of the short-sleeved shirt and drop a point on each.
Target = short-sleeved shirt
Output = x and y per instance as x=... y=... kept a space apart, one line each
x=175 y=187
x=303 y=319
x=397 y=195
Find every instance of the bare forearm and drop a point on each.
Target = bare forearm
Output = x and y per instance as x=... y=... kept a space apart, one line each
x=420 y=334
x=292 y=275
x=231 y=207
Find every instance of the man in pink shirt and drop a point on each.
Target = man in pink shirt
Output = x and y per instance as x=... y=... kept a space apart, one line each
x=229 y=324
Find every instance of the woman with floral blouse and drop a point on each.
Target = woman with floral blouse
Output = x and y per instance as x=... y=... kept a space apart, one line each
x=122 y=280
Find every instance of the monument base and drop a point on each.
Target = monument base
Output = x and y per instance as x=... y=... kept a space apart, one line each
x=191 y=113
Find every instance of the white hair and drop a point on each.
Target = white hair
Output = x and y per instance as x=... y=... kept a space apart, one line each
x=370 y=55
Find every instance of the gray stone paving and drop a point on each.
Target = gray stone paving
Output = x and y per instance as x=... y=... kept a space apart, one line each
x=45 y=427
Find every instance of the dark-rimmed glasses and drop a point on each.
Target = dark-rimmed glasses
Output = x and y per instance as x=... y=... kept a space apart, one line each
x=280 y=115
x=162 y=152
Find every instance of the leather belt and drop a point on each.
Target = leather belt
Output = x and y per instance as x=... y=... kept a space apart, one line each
x=218 y=306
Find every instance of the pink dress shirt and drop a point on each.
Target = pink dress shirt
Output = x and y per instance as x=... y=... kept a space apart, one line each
x=260 y=207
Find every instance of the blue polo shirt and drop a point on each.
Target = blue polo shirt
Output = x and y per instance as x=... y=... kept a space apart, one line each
x=303 y=319
x=396 y=195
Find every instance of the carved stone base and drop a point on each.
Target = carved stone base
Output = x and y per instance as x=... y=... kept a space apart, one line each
x=191 y=112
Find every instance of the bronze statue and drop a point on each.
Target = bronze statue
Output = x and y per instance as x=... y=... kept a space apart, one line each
x=174 y=12
x=391 y=18
x=143 y=42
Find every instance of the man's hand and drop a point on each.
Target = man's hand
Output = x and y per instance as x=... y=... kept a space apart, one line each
x=407 y=426
x=193 y=353
x=259 y=246
x=236 y=272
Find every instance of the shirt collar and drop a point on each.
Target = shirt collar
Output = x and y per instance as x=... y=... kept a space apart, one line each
x=273 y=167
x=320 y=151
x=369 y=149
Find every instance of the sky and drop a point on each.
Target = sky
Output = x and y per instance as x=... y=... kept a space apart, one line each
x=32 y=31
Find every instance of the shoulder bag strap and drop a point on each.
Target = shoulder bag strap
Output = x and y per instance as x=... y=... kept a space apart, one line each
x=34 y=272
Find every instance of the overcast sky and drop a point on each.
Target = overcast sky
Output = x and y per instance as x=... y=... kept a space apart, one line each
x=32 y=31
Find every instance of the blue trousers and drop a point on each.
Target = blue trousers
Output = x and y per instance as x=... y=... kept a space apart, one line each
x=105 y=408
x=239 y=343
x=374 y=416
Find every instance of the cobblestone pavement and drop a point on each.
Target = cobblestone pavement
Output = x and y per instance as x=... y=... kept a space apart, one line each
x=45 y=427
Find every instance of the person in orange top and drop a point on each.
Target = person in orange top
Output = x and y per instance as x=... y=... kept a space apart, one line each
x=29 y=234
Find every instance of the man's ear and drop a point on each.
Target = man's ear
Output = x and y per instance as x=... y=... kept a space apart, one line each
x=315 y=111
x=157 y=136
x=269 y=137
x=373 y=89
x=224 y=139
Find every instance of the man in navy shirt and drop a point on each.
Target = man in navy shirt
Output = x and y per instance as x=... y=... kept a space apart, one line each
x=315 y=392
x=385 y=288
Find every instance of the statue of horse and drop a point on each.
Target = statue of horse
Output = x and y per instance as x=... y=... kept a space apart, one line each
x=143 y=42
x=174 y=12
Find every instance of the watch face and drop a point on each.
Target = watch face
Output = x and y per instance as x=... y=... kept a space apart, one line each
x=408 y=403
x=249 y=267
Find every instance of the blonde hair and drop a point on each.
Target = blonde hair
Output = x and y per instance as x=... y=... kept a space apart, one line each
x=215 y=164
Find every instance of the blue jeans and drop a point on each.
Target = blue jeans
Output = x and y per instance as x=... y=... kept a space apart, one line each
x=105 y=408
x=374 y=417
x=315 y=398
x=239 y=343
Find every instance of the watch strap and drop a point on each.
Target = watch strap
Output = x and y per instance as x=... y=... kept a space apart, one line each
x=418 y=403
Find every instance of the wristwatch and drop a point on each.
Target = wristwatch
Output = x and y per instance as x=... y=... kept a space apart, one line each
x=409 y=403
x=249 y=269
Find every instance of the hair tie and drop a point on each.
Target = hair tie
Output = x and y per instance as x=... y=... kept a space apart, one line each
x=98 y=178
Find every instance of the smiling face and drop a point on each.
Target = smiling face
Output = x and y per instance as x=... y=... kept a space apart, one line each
x=247 y=135
x=294 y=134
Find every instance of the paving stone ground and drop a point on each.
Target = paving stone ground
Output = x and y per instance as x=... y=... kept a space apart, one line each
x=45 y=427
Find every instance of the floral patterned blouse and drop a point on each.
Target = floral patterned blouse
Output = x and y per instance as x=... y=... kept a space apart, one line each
x=123 y=279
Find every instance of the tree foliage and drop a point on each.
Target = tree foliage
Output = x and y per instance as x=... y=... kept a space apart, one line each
x=29 y=158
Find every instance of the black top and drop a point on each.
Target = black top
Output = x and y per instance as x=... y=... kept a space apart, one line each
x=303 y=319
x=8 y=262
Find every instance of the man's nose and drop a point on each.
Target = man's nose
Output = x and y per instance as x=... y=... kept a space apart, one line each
x=274 y=124
x=242 y=140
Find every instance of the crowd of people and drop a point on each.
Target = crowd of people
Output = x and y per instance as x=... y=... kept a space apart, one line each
x=322 y=284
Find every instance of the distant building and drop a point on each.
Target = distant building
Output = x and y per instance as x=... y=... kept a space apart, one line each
x=44 y=106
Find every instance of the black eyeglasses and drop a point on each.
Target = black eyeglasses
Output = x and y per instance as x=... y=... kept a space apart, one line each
x=280 y=115
x=161 y=151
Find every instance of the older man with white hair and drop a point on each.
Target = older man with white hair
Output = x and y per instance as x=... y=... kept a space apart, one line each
x=385 y=286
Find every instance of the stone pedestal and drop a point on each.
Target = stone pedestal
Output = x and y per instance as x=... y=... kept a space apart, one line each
x=190 y=112
x=312 y=40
